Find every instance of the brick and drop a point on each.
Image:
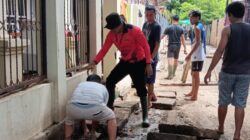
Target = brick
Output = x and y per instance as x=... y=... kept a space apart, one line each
x=131 y=105
x=166 y=94
x=167 y=136
x=164 y=103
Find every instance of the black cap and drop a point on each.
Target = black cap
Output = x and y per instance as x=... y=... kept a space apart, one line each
x=113 y=20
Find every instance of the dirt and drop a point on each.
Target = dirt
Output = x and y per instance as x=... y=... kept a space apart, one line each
x=201 y=113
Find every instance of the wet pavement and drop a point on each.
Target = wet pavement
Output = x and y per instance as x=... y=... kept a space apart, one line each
x=201 y=114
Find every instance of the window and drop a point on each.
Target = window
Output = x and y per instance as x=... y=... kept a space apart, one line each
x=76 y=34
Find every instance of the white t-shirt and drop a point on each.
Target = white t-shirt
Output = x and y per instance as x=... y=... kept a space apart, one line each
x=90 y=93
x=199 y=54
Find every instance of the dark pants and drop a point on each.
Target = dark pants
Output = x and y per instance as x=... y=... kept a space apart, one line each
x=137 y=73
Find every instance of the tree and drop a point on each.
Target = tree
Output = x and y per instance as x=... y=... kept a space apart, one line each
x=210 y=9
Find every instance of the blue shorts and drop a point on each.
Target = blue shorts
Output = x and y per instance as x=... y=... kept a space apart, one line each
x=233 y=89
x=151 y=80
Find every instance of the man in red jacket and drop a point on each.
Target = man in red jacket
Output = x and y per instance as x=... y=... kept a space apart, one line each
x=135 y=59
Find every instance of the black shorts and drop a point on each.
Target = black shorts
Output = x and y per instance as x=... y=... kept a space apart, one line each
x=173 y=51
x=197 y=65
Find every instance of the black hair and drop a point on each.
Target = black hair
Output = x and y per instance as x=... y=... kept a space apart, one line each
x=176 y=18
x=150 y=8
x=237 y=9
x=94 y=78
x=195 y=13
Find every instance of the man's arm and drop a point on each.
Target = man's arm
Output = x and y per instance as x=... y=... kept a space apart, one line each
x=158 y=40
x=184 y=43
x=197 y=33
x=165 y=33
x=219 y=52
x=107 y=45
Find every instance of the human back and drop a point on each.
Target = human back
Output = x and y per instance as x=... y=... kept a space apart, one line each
x=174 y=33
x=90 y=92
x=236 y=58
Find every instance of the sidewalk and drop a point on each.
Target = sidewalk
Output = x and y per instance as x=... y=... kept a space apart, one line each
x=200 y=114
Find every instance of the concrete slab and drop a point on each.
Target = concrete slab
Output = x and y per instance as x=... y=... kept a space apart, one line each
x=190 y=131
x=164 y=103
x=167 y=136
x=165 y=94
x=122 y=116
x=131 y=105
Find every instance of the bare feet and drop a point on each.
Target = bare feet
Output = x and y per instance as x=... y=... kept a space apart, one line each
x=149 y=105
x=154 y=98
x=189 y=94
x=220 y=130
x=236 y=136
x=191 y=99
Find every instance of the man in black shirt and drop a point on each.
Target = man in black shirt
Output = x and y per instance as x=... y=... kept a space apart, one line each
x=234 y=78
x=152 y=32
x=175 y=38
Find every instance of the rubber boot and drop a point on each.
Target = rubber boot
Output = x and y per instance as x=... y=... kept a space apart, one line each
x=170 y=72
x=144 y=106
x=174 y=70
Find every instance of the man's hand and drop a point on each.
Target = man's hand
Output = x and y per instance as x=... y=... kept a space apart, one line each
x=207 y=77
x=149 y=70
x=188 y=57
x=91 y=66
x=185 y=52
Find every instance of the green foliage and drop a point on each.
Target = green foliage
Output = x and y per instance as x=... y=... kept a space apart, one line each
x=210 y=9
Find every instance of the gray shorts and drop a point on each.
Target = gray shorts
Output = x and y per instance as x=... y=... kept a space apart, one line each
x=233 y=89
x=75 y=111
x=173 y=51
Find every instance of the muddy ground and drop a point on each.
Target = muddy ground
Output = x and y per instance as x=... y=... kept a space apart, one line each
x=201 y=113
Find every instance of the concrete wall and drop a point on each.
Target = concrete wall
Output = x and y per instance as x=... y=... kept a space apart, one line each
x=73 y=81
x=26 y=113
x=217 y=27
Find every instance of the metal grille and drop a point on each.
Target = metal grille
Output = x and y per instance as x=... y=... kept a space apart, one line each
x=76 y=34
x=22 y=50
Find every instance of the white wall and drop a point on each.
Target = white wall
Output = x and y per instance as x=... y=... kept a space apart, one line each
x=25 y=113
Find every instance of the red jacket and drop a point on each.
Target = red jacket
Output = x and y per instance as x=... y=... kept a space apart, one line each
x=131 y=43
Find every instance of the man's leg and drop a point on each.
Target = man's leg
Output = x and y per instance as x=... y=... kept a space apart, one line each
x=240 y=95
x=239 y=115
x=170 y=56
x=149 y=95
x=176 y=57
x=117 y=74
x=170 y=68
x=175 y=66
x=196 y=77
x=193 y=86
x=150 y=84
x=69 y=128
x=93 y=129
x=222 y=113
x=137 y=74
x=112 y=128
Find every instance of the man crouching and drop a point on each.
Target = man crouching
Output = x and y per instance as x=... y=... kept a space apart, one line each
x=89 y=102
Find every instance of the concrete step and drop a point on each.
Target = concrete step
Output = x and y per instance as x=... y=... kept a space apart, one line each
x=161 y=93
x=190 y=131
x=168 y=136
x=164 y=103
